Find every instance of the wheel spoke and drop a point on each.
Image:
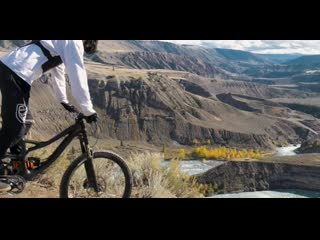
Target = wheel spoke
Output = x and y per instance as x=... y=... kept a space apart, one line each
x=103 y=177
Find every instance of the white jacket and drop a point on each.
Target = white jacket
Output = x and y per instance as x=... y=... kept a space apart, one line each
x=26 y=62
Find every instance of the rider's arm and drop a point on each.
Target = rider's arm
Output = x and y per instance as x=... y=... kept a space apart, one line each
x=59 y=83
x=73 y=59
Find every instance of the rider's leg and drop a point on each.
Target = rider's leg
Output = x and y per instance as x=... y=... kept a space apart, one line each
x=20 y=146
x=15 y=99
x=14 y=109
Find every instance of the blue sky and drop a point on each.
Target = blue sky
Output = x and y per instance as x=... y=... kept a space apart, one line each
x=260 y=46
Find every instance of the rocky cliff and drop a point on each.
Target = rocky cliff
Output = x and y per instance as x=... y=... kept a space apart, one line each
x=155 y=107
x=152 y=107
x=310 y=146
x=258 y=176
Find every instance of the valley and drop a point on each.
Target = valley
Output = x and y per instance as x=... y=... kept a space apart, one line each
x=152 y=95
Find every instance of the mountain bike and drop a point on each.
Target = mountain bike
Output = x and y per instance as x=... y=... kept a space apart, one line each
x=101 y=174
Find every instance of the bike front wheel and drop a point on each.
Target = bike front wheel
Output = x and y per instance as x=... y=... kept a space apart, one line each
x=106 y=175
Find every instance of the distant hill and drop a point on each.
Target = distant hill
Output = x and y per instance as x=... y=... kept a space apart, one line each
x=228 y=64
x=305 y=60
x=243 y=56
x=208 y=62
x=224 y=64
x=281 y=58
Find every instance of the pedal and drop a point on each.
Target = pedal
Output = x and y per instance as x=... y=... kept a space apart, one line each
x=32 y=163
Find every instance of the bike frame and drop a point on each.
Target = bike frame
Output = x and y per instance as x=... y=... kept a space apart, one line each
x=76 y=130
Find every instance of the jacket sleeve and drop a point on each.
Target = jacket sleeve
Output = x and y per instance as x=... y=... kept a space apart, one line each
x=73 y=59
x=59 y=83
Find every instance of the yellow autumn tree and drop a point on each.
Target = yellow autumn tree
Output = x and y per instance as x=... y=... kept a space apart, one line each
x=182 y=153
x=224 y=153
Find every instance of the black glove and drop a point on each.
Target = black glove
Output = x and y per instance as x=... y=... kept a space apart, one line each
x=92 y=118
x=69 y=107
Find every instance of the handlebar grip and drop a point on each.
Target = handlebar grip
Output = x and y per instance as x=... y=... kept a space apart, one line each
x=70 y=108
x=89 y=119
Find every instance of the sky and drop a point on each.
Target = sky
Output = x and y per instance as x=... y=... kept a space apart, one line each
x=260 y=46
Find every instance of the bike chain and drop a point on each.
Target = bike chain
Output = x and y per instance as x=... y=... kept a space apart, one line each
x=16 y=182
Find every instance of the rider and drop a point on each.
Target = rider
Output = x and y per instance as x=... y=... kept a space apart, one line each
x=18 y=70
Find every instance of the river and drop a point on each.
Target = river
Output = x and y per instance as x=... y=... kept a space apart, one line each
x=197 y=166
x=287 y=151
x=272 y=194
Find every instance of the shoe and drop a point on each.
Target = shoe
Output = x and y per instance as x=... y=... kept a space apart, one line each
x=4 y=187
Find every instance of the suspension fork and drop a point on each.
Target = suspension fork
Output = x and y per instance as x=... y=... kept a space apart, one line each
x=88 y=164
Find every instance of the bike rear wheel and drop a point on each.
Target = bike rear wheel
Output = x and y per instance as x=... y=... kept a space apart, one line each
x=105 y=176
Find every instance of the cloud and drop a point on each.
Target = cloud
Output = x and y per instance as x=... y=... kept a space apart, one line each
x=260 y=46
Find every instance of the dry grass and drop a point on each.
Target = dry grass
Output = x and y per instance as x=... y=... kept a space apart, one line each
x=152 y=180
x=150 y=176
x=52 y=177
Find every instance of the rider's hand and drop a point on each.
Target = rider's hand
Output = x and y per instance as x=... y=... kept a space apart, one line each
x=92 y=118
x=69 y=107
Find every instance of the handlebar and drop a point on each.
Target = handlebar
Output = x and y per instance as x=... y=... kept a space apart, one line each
x=88 y=119
x=80 y=116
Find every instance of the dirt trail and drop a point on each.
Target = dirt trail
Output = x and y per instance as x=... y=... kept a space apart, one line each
x=35 y=190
